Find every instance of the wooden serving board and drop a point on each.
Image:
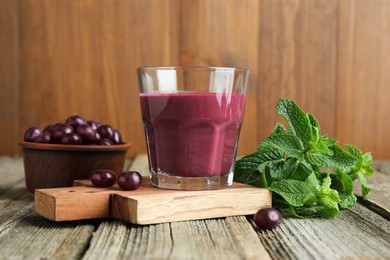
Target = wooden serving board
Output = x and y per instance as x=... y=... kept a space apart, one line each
x=148 y=205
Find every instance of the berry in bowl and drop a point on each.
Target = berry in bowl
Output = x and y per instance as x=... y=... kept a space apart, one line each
x=58 y=154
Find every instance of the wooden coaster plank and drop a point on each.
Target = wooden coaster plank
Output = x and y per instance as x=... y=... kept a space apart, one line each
x=190 y=205
x=148 y=205
x=74 y=203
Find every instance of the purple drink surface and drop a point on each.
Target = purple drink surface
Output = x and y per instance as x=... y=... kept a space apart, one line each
x=192 y=134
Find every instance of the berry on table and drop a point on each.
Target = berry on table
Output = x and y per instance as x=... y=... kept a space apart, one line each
x=268 y=218
x=103 y=178
x=129 y=180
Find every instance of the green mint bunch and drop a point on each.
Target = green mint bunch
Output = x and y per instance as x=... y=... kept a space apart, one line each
x=307 y=172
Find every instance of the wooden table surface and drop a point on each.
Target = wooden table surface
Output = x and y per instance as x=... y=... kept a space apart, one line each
x=361 y=232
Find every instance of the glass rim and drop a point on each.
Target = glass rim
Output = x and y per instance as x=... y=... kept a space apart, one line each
x=194 y=67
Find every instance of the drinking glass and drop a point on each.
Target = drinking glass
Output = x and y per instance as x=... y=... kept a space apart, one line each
x=192 y=118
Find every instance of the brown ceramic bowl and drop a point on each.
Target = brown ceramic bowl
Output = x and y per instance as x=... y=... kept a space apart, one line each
x=58 y=165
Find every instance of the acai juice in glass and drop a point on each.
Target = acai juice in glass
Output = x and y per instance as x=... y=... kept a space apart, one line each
x=192 y=118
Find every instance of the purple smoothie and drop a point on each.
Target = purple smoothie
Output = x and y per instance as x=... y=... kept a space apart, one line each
x=192 y=134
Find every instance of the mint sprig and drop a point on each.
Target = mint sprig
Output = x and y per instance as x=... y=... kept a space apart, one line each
x=290 y=163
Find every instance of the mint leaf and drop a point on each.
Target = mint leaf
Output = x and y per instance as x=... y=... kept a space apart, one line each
x=331 y=209
x=298 y=121
x=279 y=129
x=251 y=178
x=312 y=180
x=328 y=141
x=343 y=183
x=248 y=168
x=323 y=145
x=363 y=182
x=363 y=164
x=266 y=178
x=338 y=159
x=286 y=143
x=366 y=165
x=354 y=151
x=315 y=128
x=328 y=195
x=248 y=164
x=302 y=171
x=296 y=193
x=303 y=212
x=348 y=201
x=268 y=155
x=291 y=163
x=329 y=198
x=283 y=169
x=361 y=168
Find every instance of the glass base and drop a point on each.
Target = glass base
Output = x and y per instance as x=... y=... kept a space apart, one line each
x=167 y=181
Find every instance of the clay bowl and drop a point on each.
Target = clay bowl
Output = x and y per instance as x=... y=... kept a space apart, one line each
x=58 y=165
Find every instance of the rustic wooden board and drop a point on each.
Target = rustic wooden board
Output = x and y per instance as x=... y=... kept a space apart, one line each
x=226 y=238
x=26 y=235
x=148 y=205
x=358 y=233
x=378 y=199
x=11 y=172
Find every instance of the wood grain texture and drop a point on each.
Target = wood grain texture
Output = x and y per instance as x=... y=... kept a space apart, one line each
x=358 y=233
x=378 y=199
x=11 y=172
x=230 y=238
x=9 y=76
x=298 y=60
x=33 y=237
x=81 y=58
x=363 y=80
x=384 y=167
x=25 y=235
x=159 y=206
x=74 y=203
x=65 y=57
x=134 y=33
x=225 y=34
x=147 y=204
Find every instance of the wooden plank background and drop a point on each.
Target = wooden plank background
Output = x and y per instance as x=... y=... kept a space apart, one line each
x=64 y=57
